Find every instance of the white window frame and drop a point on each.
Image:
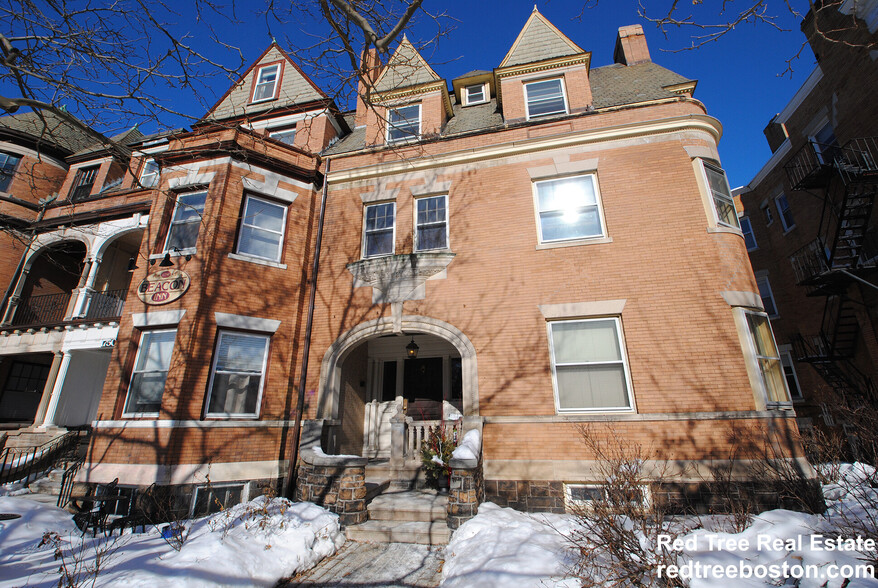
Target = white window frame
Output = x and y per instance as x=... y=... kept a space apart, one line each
x=527 y=101
x=366 y=232
x=418 y=226
x=713 y=196
x=237 y=415
x=273 y=133
x=140 y=348
x=783 y=212
x=819 y=147
x=786 y=361
x=538 y=212
x=767 y=214
x=748 y=232
x=281 y=234
x=257 y=83
x=762 y=279
x=754 y=357
x=391 y=127
x=624 y=361
x=467 y=101
x=150 y=178
x=193 y=248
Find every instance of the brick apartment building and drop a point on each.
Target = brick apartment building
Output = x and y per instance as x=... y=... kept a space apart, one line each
x=490 y=253
x=809 y=224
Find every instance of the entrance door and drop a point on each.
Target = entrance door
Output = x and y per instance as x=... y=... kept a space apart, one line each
x=423 y=388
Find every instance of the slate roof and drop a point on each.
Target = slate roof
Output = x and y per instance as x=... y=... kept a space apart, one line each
x=473 y=73
x=55 y=131
x=611 y=85
x=539 y=40
x=125 y=138
x=405 y=68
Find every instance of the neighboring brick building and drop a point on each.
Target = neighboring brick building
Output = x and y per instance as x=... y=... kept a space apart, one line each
x=546 y=247
x=809 y=222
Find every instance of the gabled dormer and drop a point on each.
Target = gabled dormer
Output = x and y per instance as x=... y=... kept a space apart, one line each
x=410 y=101
x=276 y=98
x=543 y=75
x=100 y=168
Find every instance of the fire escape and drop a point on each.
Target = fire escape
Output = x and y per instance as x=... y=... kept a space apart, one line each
x=844 y=253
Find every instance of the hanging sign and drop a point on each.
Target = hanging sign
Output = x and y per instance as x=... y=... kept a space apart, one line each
x=163 y=286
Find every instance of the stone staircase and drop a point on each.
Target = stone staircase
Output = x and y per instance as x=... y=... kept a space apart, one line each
x=47 y=489
x=410 y=516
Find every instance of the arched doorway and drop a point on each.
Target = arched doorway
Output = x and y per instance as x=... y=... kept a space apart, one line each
x=366 y=378
x=52 y=276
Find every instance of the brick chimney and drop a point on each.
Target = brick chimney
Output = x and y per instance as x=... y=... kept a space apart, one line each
x=371 y=65
x=631 y=46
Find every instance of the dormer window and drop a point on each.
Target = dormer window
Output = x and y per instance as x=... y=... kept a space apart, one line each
x=475 y=94
x=266 y=82
x=285 y=134
x=404 y=123
x=149 y=176
x=545 y=98
x=83 y=183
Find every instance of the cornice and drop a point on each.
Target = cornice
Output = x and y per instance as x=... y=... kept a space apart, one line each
x=697 y=122
x=686 y=88
x=538 y=66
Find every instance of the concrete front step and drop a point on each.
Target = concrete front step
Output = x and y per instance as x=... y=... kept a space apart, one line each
x=424 y=506
x=424 y=533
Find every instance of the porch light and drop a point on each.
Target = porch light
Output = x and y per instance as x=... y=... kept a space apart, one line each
x=132 y=265
x=166 y=262
x=411 y=350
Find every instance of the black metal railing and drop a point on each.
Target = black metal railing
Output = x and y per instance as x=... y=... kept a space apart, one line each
x=811 y=165
x=858 y=158
x=19 y=464
x=46 y=309
x=106 y=304
x=810 y=261
x=67 y=481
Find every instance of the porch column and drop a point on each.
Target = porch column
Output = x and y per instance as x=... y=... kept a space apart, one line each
x=56 y=390
x=397 y=438
x=83 y=291
x=47 y=389
x=15 y=297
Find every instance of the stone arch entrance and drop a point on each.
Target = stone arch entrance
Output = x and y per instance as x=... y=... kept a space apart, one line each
x=365 y=378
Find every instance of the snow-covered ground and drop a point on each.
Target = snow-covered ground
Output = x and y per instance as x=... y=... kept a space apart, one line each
x=502 y=547
x=252 y=544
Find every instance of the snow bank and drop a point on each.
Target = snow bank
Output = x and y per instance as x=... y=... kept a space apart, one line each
x=503 y=547
x=469 y=446
x=251 y=544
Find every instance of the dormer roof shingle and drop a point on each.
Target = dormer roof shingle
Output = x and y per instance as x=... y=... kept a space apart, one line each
x=539 y=40
x=405 y=68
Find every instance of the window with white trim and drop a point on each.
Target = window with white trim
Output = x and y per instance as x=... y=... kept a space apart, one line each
x=767 y=357
x=286 y=134
x=149 y=175
x=188 y=211
x=545 y=98
x=237 y=375
x=475 y=94
x=589 y=369
x=8 y=163
x=766 y=213
x=720 y=195
x=825 y=144
x=569 y=208
x=789 y=372
x=262 y=229
x=767 y=296
x=379 y=229
x=783 y=209
x=404 y=123
x=431 y=223
x=150 y=372
x=749 y=237
x=266 y=82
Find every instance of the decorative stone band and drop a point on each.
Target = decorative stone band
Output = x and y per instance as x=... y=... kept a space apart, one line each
x=396 y=278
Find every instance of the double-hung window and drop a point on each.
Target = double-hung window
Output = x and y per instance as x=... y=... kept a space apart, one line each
x=767 y=357
x=183 y=232
x=783 y=209
x=286 y=134
x=83 y=183
x=237 y=376
x=474 y=94
x=789 y=372
x=749 y=237
x=720 y=195
x=149 y=176
x=767 y=296
x=588 y=365
x=569 y=208
x=262 y=229
x=8 y=163
x=150 y=372
x=431 y=224
x=378 y=235
x=825 y=144
x=404 y=123
x=266 y=82
x=545 y=98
